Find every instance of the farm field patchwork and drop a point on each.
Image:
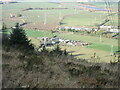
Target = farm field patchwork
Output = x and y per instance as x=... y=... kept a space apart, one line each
x=72 y=16
x=105 y=45
x=36 y=17
x=102 y=49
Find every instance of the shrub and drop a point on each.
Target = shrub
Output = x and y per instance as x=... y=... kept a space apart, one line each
x=74 y=71
x=19 y=15
x=33 y=62
x=65 y=52
x=57 y=51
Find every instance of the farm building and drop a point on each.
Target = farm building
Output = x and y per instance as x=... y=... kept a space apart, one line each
x=114 y=30
x=75 y=28
x=106 y=27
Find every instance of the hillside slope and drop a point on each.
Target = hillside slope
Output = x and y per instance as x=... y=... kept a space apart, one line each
x=45 y=70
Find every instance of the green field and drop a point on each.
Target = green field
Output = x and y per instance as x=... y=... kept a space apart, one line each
x=90 y=19
x=40 y=33
x=36 y=33
x=85 y=18
x=105 y=45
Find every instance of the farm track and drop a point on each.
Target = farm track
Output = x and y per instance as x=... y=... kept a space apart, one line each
x=28 y=9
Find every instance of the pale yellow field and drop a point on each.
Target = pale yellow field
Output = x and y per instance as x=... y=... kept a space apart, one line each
x=88 y=53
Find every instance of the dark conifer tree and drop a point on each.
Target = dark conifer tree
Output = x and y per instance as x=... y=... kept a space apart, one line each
x=19 y=39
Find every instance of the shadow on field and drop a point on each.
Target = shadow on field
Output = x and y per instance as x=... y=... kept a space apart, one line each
x=61 y=23
x=78 y=55
x=71 y=51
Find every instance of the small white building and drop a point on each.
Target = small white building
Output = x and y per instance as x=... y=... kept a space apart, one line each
x=105 y=27
x=114 y=30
